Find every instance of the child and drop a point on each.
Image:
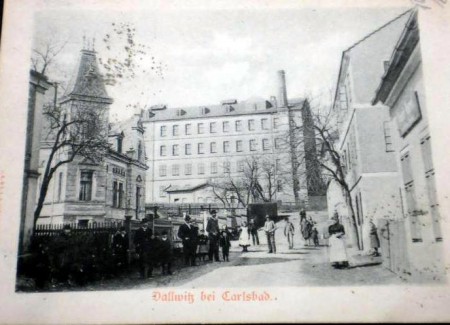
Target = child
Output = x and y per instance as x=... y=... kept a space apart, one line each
x=165 y=254
x=225 y=244
x=244 y=237
x=315 y=236
x=203 y=247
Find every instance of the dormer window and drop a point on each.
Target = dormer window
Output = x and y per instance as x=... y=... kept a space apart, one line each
x=204 y=110
x=229 y=109
x=181 y=112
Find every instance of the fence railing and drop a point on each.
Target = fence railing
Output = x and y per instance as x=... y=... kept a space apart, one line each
x=89 y=248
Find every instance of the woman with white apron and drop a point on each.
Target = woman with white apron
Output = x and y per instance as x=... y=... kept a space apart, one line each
x=244 y=237
x=337 y=252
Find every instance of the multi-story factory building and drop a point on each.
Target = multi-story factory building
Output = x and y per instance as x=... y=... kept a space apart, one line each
x=191 y=148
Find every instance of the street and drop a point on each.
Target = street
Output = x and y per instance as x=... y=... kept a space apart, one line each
x=301 y=266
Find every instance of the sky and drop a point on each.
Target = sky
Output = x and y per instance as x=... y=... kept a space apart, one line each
x=207 y=56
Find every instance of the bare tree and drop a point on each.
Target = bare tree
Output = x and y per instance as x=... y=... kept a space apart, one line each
x=320 y=129
x=45 y=53
x=81 y=131
x=80 y=134
x=255 y=181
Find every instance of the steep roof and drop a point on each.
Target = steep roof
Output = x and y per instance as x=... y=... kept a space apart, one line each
x=87 y=80
x=402 y=52
x=367 y=57
x=248 y=107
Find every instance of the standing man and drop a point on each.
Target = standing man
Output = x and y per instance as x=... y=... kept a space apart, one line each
x=212 y=228
x=143 y=242
x=269 y=228
x=195 y=235
x=289 y=232
x=254 y=232
x=63 y=255
x=188 y=237
x=120 y=248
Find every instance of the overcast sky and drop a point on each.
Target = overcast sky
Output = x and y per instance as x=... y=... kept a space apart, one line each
x=208 y=56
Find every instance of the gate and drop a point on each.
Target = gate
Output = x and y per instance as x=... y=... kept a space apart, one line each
x=393 y=245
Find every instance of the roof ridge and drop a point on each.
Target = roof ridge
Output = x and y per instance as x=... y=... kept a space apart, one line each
x=378 y=29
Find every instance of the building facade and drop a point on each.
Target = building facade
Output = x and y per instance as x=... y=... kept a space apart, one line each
x=402 y=90
x=191 y=148
x=96 y=189
x=39 y=84
x=365 y=135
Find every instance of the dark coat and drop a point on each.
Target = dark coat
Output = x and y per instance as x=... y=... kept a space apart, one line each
x=188 y=234
x=120 y=243
x=374 y=240
x=143 y=240
x=225 y=240
x=336 y=228
x=252 y=228
x=165 y=254
x=212 y=227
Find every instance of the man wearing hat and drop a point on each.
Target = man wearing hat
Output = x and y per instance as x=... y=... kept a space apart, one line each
x=63 y=253
x=186 y=233
x=143 y=244
x=212 y=228
x=254 y=231
x=120 y=248
x=269 y=228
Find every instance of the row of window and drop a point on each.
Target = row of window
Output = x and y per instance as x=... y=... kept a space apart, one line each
x=226 y=147
x=118 y=192
x=201 y=168
x=214 y=127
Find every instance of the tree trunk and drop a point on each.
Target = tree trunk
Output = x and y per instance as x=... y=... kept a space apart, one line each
x=40 y=204
x=353 y=218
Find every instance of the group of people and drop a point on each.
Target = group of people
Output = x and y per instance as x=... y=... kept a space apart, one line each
x=156 y=249
x=152 y=250
x=69 y=259
x=308 y=229
x=249 y=233
x=198 y=245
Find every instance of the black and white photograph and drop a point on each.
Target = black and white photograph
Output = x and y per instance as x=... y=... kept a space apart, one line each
x=197 y=158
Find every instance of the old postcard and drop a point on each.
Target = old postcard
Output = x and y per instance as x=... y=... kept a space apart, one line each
x=224 y=162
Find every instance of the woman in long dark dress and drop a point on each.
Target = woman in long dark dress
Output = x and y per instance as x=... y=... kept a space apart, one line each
x=374 y=240
x=338 y=253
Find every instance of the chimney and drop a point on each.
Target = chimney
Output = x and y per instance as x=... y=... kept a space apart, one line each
x=273 y=100
x=282 y=89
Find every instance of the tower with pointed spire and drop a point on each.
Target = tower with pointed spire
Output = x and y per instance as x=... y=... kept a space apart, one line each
x=108 y=184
